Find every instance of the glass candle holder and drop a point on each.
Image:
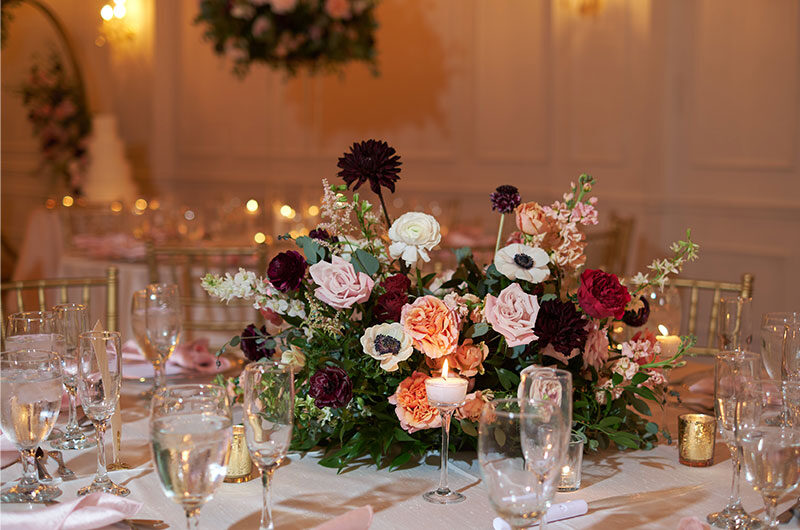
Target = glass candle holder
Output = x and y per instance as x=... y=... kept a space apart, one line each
x=696 y=433
x=571 y=470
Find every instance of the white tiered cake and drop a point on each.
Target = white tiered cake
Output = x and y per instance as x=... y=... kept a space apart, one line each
x=108 y=177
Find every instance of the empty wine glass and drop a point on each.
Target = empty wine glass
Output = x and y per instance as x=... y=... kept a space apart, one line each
x=773 y=332
x=138 y=325
x=71 y=320
x=791 y=351
x=733 y=372
x=99 y=380
x=162 y=326
x=190 y=428
x=30 y=400
x=734 y=323
x=519 y=461
x=549 y=384
x=268 y=419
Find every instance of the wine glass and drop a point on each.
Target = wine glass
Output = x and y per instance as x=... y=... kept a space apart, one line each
x=733 y=371
x=268 y=419
x=162 y=325
x=190 y=429
x=71 y=320
x=734 y=323
x=30 y=400
x=138 y=324
x=31 y=323
x=99 y=380
x=791 y=351
x=773 y=332
x=549 y=384
x=518 y=446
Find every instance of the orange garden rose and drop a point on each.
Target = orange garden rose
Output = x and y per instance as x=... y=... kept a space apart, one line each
x=432 y=326
x=412 y=408
x=468 y=358
x=473 y=405
x=532 y=220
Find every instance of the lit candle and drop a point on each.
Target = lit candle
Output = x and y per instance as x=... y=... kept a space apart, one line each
x=669 y=343
x=446 y=390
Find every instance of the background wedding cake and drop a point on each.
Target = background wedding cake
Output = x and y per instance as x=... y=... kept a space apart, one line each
x=108 y=177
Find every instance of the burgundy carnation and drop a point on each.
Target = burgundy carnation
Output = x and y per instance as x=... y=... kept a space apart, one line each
x=505 y=198
x=560 y=325
x=601 y=295
x=330 y=387
x=638 y=318
x=286 y=270
x=397 y=283
x=251 y=345
x=389 y=306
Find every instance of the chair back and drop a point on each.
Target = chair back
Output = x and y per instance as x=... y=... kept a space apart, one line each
x=744 y=288
x=63 y=287
x=609 y=249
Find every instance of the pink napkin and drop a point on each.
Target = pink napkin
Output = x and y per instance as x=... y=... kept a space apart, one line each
x=191 y=357
x=93 y=511
x=358 y=519
x=692 y=523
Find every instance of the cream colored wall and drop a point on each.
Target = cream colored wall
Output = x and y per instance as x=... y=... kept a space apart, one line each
x=687 y=112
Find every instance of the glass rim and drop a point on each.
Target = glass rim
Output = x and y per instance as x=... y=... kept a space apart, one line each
x=106 y=334
x=29 y=314
x=187 y=386
x=277 y=366
x=50 y=354
x=533 y=368
x=512 y=413
x=70 y=305
x=159 y=285
x=733 y=354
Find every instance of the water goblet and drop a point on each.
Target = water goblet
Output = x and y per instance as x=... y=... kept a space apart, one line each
x=773 y=333
x=733 y=371
x=162 y=326
x=138 y=325
x=31 y=323
x=734 y=323
x=191 y=430
x=99 y=380
x=268 y=420
x=30 y=400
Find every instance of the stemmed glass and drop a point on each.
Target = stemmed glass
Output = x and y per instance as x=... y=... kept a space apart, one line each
x=30 y=400
x=99 y=379
x=734 y=324
x=162 y=319
x=519 y=451
x=190 y=428
x=732 y=372
x=71 y=320
x=31 y=323
x=138 y=324
x=791 y=351
x=268 y=420
x=773 y=333
x=543 y=383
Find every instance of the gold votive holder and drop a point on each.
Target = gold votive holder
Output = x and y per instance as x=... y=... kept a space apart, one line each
x=240 y=466
x=571 y=470
x=696 y=433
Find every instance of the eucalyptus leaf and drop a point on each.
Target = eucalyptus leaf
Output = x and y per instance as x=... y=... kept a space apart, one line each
x=365 y=262
x=500 y=437
x=548 y=296
x=468 y=428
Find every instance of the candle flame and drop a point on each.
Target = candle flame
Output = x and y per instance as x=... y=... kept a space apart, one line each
x=663 y=329
x=444 y=369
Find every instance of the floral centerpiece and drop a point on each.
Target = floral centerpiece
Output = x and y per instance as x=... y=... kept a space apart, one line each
x=353 y=310
x=290 y=34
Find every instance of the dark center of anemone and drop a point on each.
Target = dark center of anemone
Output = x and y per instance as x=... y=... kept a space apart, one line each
x=385 y=344
x=524 y=261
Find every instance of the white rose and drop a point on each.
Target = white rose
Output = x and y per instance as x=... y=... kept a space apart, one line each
x=388 y=344
x=521 y=262
x=413 y=234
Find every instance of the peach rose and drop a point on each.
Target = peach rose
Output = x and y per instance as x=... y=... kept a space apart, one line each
x=339 y=284
x=337 y=8
x=472 y=407
x=411 y=404
x=468 y=358
x=595 y=352
x=532 y=220
x=432 y=326
x=513 y=314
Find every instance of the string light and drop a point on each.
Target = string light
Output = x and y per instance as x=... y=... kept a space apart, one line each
x=287 y=211
x=67 y=201
x=107 y=12
x=140 y=204
x=259 y=237
x=252 y=206
x=313 y=211
x=116 y=206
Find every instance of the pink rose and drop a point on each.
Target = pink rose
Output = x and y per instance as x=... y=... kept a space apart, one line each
x=431 y=325
x=337 y=8
x=339 y=284
x=595 y=352
x=412 y=407
x=513 y=314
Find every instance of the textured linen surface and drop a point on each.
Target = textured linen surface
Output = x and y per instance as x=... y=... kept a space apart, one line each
x=97 y=510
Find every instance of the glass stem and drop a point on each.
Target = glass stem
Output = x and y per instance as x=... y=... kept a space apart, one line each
x=771 y=507
x=72 y=424
x=158 y=380
x=102 y=474
x=192 y=521
x=735 y=499
x=446 y=415
x=28 y=459
x=543 y=522
x=266 y=505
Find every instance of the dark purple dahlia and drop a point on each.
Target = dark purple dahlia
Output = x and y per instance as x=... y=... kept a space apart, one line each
x=286 y=270
x=330 y=387
x=321 y=234
x=505 y=198
x=560 y=324
x=639 y=317
x=371 y=161
x=252 y=343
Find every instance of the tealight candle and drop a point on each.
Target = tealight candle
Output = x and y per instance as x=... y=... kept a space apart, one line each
x=445 y=390
x=669 y=343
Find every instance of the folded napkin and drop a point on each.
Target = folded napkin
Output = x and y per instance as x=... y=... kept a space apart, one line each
x=358 y=519
x=692 y=523
x=191 y=357
x=85 y=513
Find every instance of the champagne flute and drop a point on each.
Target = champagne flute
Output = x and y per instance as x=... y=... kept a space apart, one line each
x=190 y=428
x=519 y=466
x=71 y=320
x=162 y=319
x=791 y=351
x=733 y=371
x=138 y=324
x=734 y=324
x=30 y=400
x=773 y=332
x=99 y=380
x=268 y=420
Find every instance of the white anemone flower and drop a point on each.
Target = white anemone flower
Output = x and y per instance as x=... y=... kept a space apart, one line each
x=388 y=344
x=521 y=262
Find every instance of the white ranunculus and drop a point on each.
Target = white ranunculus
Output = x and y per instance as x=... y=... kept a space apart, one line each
x=294 y=357
x=413 y=234
x=387 y=343
x=521 y=262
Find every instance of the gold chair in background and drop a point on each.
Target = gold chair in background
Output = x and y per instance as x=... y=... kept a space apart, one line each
x=185 y=266
x=609 y=249
x=110 y=281
x=744 y=288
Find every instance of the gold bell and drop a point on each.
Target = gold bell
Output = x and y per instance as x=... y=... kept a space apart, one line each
x=240 y=467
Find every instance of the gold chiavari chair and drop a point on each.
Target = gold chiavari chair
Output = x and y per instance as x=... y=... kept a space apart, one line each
x=609 y=249
x=744 y=288
x=185 y=266
x=110 y=281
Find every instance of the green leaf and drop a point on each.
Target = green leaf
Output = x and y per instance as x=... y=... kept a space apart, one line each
x=476 y=330
x=639 y=378
x=641 y=407
x=403 y=436
x=644 y=392
x=314 y=251
x=500 y=437
x=611 y=422
x=235 y=341
x=651 y=427
x=548 y=296
x=365 y=262
x=468 y=428
x=616 y=379
x=400 y=460
x=508 y=379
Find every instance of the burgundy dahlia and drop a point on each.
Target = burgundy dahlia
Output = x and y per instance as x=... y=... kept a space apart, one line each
x=252 y=343
x=389 y=306
x=505 y=198
x=639 y=317
x=397 y=283
x=371 y=161
x=286 y=270
x=330 y=387
x=321 y=234
x=560 y=324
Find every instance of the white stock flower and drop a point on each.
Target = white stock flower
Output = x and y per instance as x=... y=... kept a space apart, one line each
x=296 y=309
x=388 y=344
x=521 y=262
x=413 y=234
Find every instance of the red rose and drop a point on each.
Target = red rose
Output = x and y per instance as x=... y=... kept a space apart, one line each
x=601 y=295
x=397 y=283
x=389 y=306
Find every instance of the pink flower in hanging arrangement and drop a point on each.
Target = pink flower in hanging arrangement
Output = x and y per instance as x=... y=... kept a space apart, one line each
x=412 y=407
x=513 y=314
x=431 y=325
